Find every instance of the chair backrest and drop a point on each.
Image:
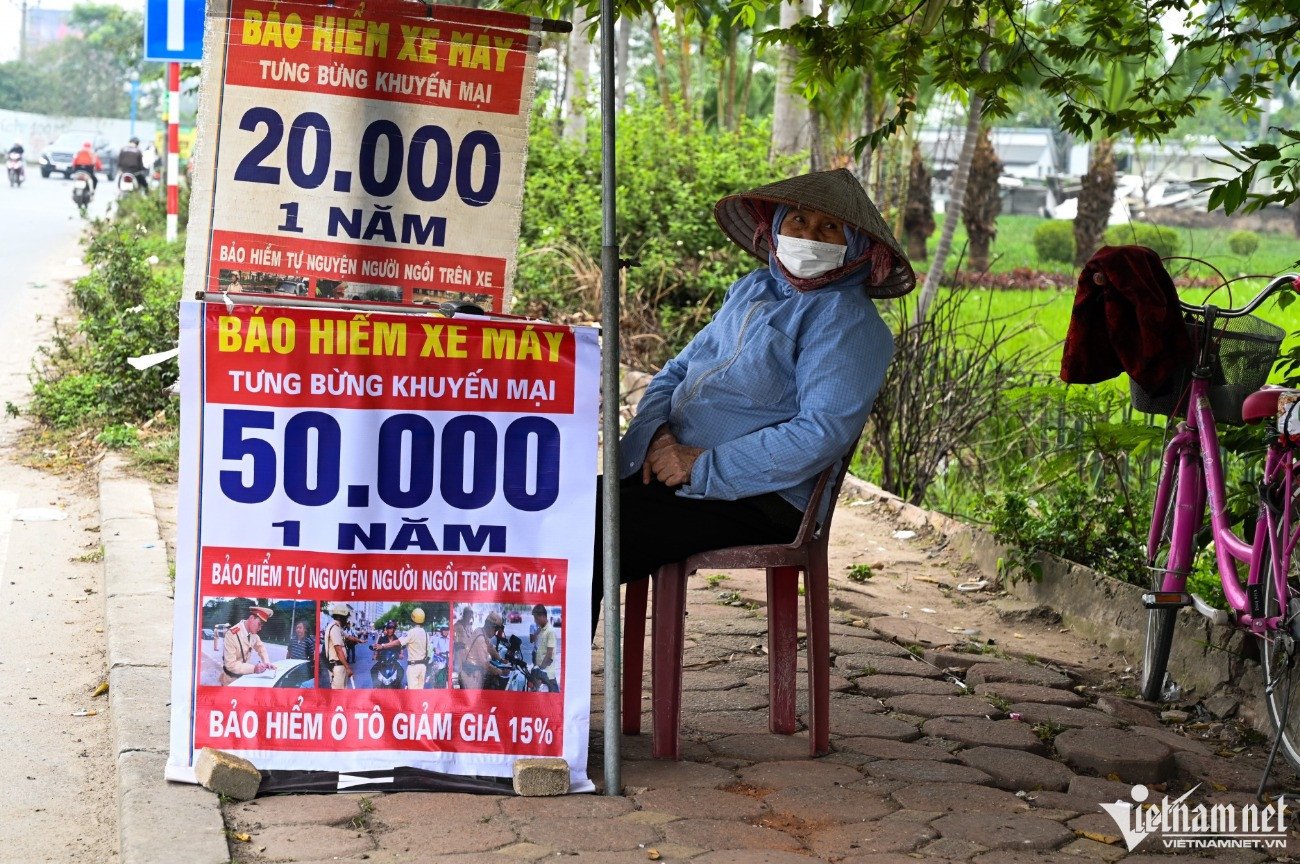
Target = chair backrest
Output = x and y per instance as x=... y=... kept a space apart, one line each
x=831 y=478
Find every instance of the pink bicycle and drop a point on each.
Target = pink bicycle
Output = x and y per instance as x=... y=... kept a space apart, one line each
x=1234 y=353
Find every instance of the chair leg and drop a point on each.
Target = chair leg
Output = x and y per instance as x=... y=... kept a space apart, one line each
x=817 y=604
x=633 y=653
x=782 y=647
x=666 y=644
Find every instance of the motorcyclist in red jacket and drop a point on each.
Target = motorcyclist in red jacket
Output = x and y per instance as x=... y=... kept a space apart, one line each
x=88 y=160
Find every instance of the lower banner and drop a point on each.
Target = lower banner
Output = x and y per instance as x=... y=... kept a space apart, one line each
x=386 y=529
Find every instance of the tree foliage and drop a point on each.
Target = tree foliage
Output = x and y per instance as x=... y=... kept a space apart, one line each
x=85 y=73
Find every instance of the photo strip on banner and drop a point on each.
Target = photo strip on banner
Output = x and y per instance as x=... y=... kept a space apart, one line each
x=368 y=152
x=380 y=551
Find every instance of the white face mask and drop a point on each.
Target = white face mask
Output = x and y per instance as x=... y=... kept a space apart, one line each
x=808 y=259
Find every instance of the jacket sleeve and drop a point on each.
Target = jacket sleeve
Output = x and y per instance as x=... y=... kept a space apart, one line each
x=656 y=403
x=839 y=370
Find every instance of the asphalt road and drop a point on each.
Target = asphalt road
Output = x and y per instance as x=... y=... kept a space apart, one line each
x=57 y=783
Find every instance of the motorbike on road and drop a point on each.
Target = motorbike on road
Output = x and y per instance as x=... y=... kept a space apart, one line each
x=83 y=190
x=127 y=183
x=17 y=170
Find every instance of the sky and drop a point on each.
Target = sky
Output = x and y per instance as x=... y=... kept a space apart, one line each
x=11 y=20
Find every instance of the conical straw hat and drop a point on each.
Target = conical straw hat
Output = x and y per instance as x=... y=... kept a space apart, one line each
x=837 y=193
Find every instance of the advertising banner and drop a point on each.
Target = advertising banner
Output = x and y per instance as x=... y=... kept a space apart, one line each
x=384 y=547
x=363 y=151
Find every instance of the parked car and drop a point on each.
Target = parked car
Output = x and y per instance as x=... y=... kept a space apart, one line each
x=57 y=158
x=287 y=673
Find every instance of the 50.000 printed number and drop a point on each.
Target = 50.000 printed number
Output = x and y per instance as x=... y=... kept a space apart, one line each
x=379 y=177
x=405 y=461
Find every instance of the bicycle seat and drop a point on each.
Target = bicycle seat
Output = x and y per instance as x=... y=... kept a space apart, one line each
x=1262 y=404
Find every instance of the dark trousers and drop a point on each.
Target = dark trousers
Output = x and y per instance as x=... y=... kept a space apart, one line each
x=658 y=527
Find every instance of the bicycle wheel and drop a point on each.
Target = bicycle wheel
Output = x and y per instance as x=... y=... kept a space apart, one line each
x=1160 y=622
x=1281 y=668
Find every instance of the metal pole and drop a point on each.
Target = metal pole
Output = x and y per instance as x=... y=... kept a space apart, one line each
x=173 y=147
x=609 y=266
x=135 y=100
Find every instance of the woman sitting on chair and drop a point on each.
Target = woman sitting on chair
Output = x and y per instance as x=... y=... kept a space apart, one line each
x=730 y=436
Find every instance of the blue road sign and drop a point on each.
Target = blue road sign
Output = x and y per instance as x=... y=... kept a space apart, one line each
x=173 y=30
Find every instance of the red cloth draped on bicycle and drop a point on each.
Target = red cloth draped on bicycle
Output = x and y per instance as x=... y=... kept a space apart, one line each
x=1130 y=323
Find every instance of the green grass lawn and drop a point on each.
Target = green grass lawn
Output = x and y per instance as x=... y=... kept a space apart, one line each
x=1047 y=311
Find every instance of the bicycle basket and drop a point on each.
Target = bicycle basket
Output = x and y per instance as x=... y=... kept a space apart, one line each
x=1243 y=353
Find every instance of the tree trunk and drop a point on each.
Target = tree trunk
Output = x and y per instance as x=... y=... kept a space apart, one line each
x=683 y=59
x=952 y=211
x=576 y=99
x=661 y=66
x=868 y=125
x=982 y=203
x=730 y=80
x=1096 y=198
x=790 y=111
x=742 y=102
x=624 y=44
x=918 y=215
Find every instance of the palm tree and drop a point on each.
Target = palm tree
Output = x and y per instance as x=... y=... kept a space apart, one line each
x=1096 y=198
x=983 y=203
x=918 y=215
x=790 y=114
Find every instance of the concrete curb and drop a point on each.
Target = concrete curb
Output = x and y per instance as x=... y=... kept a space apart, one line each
x=158 y=822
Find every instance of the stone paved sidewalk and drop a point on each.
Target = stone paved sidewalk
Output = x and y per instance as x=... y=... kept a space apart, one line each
x=945 y=756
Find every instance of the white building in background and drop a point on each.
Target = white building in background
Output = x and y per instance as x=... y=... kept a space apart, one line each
x=1025 y=153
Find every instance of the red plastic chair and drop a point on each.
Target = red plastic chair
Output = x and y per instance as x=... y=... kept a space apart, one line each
x=783 y=562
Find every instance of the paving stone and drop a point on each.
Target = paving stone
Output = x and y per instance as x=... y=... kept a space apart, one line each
x=912 y=631
x=977 y=732
x=862 y=838
x=700 y=803
x=563 y=807
x=953 y=659
x=943 y=706
x=957 y=797
x=541 y=777
x=449 y=833
x=227 y=774
x=739 y=699
x=879 y=664
x=1020 y=856
x=1099 y=824
x=846 y=707
x=1012 y=692
x=1060 y=805
x=404 y=808
x=1175 y=740
x=754 y=856
x=1132 y=758
x=894 y=858
x=726 y=834
x=882 y=748
x=869 y=643
x=727 y=722
x=787 y=774
x=848 y=724
x=925 y=771
x=1239 y=774
x=1100 y=790
x=885 y=686
x=566 y=834
x=1015 y=770
x=831 y=804
x=761 y=748
x=1003 y=830
x=1095 y=851
x=951 y=848
x=297 y=810
x=1063 y=716
x=707 y=679
x=1010 y=671
x=297 y=842
x=1130 y=711
x=664 y=773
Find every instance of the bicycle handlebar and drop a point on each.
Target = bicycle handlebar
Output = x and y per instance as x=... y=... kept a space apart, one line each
x=1291 y=279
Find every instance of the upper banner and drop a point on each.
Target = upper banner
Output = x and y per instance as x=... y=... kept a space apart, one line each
x=384 y=542
x=368 y=152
